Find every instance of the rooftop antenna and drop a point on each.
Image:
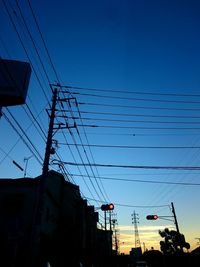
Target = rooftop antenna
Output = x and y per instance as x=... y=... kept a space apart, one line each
x=26 y=164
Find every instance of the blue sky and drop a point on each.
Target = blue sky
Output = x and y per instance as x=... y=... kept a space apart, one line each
x=144 y=56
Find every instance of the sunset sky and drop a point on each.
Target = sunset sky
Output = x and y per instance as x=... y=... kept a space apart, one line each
x=131 y=69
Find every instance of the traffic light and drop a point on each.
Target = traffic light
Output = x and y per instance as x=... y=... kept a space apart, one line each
x=105 y=207
x=152 y=217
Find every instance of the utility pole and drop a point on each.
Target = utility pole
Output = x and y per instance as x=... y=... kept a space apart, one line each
x=114 y=221
x=144 y=247
x=38 y=220
x=175 y=219
x=176 y=222
x=50 y=135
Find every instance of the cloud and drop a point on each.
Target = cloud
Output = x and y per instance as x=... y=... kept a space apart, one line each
x=143 y=228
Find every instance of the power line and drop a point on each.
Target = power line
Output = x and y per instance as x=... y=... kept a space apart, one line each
x=42 y=40
x=22 y=138
x=83 y=146
x=139 y=206
x=89 y=164
x=138 y=99
x=130 y=92
x=133 y=121
x=138 y=107
x=191 y=168
x=30 y=35
x=143 y=174
x=135 y=206
x=142 y=134
x=91 y=156
x=137 y=115
x=138 y=127
x=34 y=121
x=44 y=43
x=75 y=161
x=32 y=40
x=24 y=133
x=6 y=154
x=71 y=133
x=20 y=39
x=134 y=147
x=143 y=181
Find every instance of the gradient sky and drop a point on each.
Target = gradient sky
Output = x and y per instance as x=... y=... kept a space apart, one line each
x=141 y=54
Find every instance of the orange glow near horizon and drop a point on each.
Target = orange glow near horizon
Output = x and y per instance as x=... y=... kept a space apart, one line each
x=149 y=238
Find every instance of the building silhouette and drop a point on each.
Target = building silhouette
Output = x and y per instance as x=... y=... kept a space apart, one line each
x=45 y=220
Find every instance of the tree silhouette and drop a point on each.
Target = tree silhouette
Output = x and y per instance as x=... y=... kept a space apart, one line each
x=173 y=241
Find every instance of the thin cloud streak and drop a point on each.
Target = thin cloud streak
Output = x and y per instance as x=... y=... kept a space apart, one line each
x=144 y=227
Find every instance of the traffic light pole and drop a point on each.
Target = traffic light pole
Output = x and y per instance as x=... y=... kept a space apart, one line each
x=110 y=220
x=155 y=217
x=105 y=220
x=107 y=207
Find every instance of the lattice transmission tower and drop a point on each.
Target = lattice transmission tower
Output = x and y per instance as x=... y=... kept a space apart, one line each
x=135 y=221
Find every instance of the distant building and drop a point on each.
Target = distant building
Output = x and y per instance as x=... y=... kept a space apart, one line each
x=135 y=254
x=196 y=251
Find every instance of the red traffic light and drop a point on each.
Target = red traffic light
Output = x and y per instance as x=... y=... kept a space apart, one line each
x=107 y=207
x=111 y=206
x=152 y=217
